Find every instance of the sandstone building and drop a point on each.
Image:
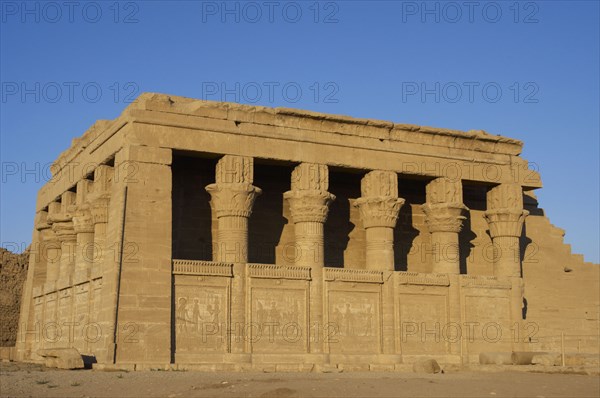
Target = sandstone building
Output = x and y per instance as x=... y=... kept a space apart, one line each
x=199 y=233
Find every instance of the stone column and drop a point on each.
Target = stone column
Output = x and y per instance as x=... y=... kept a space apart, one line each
x=232 y=198
x=379 y=207
x=99 y=200
x=444 y=217
x=505 y=217
x=65 y=233
x=309 y=204
x=42 y=226
x=51 y=249
x=31 y=315
x=84 y=229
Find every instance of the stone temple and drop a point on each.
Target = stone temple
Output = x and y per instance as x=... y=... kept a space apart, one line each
x=196 y=234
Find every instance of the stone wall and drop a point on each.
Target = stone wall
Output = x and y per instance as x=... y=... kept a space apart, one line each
x=13 y=271
x=562 y=291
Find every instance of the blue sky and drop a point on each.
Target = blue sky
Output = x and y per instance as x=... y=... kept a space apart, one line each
x=527 y=70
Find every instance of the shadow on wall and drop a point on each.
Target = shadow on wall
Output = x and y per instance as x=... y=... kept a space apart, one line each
x=404 y=235
x=267 y=221
x=338 y=227
x=465 y=237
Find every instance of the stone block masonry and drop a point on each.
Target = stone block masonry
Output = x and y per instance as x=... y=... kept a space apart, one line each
x=227 y=236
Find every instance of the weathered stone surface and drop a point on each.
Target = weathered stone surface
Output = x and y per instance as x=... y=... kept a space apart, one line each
x=62 y=358
x=495 y=358
x=13 y=271
x=426 y=366
x=546 y=359
x=224 y=236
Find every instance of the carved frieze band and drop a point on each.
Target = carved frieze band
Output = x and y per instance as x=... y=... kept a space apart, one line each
x=484 y=281
x=198 y=267
x=417 y=278
x=270 y=271
x=353 y=275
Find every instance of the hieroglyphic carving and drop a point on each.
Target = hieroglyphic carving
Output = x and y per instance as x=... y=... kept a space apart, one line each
x=379 y=204
x=278 y=320
x=379 y=183
x=444 y=208
x=353 y=275
x=353 y=321
x=422 y=322
x=416 y=278
x=491 y=316
x=484 y=281
x=444 y=190
x=199 y=267
x=235 y=170
x=269 y=271
x=310 y=177
x=505 y=196
x=200 y=318
x=505 y=214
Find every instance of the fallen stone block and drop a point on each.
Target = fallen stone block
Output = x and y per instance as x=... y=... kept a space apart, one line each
x=62 y=358
x=524 y=357
x=426 y=366
x=546 y=359
x=495 y=358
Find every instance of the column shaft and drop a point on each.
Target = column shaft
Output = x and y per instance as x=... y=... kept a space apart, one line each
x=444 y=218
x=310 y=243
x=445 y=252
x=309 y=205
x=232 y=198
x=380 y=248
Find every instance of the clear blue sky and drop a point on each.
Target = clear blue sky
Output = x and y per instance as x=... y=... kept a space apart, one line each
x=527 y=70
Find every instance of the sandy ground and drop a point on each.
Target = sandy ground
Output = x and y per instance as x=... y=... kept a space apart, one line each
x=22 y=380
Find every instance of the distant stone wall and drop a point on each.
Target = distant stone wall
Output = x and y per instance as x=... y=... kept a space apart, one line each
x=562 y=291
x=13 y=272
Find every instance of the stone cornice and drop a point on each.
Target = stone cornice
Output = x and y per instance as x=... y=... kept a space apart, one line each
x=289 y=116
x=475 y=149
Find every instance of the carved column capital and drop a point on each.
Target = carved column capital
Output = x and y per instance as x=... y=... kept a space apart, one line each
x=444 y=208
x=505 y=196
x=381 y=211
x=49 y=237
x=64 y=231
x=505 y=214
x=310 y=177
x=444 y=190
x=379 y=183
x=233 y=199
x=309 y=205
x=444 y=217
x=41 y=221
x=505 y=222
x=99 y=209
x=83 y=222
